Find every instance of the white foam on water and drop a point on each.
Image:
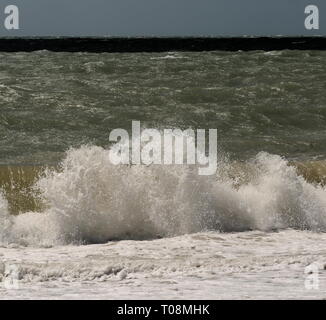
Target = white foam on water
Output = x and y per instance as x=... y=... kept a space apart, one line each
x=245 y=265
x=92 y=201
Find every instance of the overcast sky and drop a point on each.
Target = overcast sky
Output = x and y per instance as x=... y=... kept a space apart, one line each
x=162 y=17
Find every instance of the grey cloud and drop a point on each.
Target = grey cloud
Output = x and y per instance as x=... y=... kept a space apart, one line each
x=162 y=17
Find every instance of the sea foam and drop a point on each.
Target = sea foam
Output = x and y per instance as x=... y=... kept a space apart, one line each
x=90 y=200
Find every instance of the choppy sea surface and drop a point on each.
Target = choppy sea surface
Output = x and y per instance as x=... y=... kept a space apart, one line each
x=271 y=101
x=60 y=190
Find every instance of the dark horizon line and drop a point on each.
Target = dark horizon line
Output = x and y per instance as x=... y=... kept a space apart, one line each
x=161 y=44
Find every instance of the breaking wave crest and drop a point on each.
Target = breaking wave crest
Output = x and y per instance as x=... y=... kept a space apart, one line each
x=89 y=200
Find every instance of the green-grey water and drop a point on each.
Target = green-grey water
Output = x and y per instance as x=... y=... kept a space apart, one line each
x=258 y=101
x=269 y=109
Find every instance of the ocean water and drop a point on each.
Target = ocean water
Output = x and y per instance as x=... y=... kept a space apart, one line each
x=61 y=198
x=258 y=101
